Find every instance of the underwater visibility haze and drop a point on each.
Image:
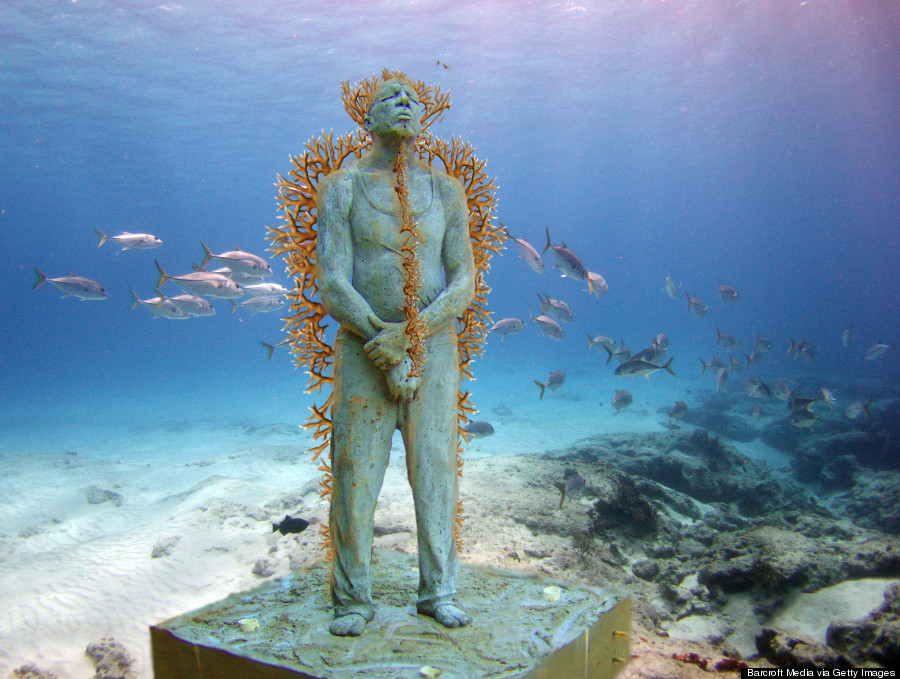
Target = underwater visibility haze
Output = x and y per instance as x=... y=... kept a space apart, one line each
x=753 y=144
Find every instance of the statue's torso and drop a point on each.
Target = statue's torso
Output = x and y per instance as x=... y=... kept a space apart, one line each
x=375 y=221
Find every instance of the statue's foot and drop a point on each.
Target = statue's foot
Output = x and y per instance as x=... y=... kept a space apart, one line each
x=450 y=616
x=350 y=625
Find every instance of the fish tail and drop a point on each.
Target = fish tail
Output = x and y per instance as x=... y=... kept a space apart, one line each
x=41 y=279
x=162 y=297
x=547 y=246
x=137 y=300
x=590 y=342
x=542 y=386
x=705 y=365
x=562 y=497
x=668 y=365
x=274 y=527
x=233 y=305
x=609 y=354
x=103 y=237
x=208 y=256
x=269 y=347
x=163 y=276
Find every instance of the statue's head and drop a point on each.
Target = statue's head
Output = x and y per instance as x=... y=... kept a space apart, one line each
x=394 y=109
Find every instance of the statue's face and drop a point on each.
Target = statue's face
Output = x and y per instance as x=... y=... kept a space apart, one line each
x=394 y=109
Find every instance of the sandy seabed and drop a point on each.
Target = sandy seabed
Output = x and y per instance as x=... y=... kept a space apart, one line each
x=110 y=527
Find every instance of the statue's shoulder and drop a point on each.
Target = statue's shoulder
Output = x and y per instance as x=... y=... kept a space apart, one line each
x=449 y=185
x=336 y=186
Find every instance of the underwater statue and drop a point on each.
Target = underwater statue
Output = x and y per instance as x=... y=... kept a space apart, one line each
x=397 y=258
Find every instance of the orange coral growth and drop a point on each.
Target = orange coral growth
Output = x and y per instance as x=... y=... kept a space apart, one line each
x=295 y=240
x=416 y=328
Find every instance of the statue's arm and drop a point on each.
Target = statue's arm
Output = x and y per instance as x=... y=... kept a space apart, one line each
x=334 y=257
x=457 y=258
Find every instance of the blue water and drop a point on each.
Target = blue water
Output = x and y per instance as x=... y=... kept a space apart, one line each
x=756 y=143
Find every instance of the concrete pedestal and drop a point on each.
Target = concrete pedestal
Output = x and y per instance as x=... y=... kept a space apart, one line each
x=516 y=632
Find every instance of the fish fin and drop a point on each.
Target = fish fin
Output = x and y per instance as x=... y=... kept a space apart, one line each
x=40 y=280
x=208 y=256
x=103 y=237
x=542 y=386
x=137 y=300
x=163 y=276
x=547 y=246
x=162 y=297
x=668 y=366
x=274 y=527
x=609 y=354
x=269 y=347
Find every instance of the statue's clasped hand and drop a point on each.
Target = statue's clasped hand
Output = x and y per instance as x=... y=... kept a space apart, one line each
x=389 y=346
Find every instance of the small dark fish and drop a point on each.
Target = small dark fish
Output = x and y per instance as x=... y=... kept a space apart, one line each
x=677 y=411
x=798 y=403
x=758 y=389
x=556 y=379
x=803 y=418
x=803 y=347
x=754 y=357
x=290 y=525
x=478 y=429
x=728 y=294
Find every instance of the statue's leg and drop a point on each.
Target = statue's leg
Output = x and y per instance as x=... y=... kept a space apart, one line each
x=429 y=426
x=363 y=421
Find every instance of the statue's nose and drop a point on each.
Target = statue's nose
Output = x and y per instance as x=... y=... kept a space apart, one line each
x=403 y=98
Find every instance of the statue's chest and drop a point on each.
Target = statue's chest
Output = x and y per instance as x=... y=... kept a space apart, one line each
x=379 y=215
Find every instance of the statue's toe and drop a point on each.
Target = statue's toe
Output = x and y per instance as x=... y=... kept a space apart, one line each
x=450 y=616
x=351 y=625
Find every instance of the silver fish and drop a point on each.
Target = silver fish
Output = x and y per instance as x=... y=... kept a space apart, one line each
x=567 y=262
x=802 y=348
x=72 y=286
x=597 y=284
x=671 y=289
x=191 y=304
x=526 y=251
x=549 y=327
x=728 y=341
x=573 y=482
x=762 y=345
x=858 y=408
x=160 y=307
x=141 y=241
x=621 y=353
x=847 y=337
x=239 y=262
x=621 y=399
x=878 y=350
x=272 y=347
x=259 y=305
x=803 y=418
x=556 y=379
x=507 y=326
x=203 y=284
x=736 y=366
x=638 y=367
x=696 y=305
x=601 y=341
x=728 y=294
x=721 y=378
x=264 y=289
x=556 y=307
x=715 y=364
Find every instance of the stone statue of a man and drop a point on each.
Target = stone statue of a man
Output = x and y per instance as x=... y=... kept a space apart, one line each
x=361 y=280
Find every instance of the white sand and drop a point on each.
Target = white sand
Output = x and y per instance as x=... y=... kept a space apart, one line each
x=71 y=572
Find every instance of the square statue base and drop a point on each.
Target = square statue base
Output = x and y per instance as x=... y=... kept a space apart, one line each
x=517 y=631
